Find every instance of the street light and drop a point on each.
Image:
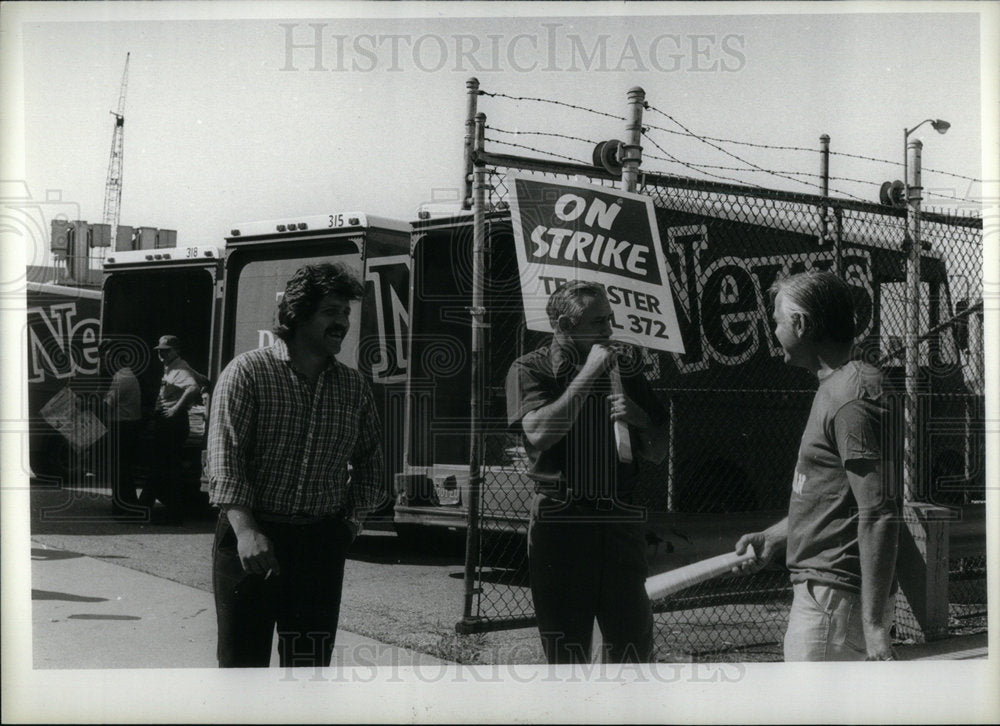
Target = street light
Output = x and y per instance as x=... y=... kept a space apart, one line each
x=913 y=307
x=939 y=125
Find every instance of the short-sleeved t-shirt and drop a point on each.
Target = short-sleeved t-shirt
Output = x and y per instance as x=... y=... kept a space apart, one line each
x=124 y=398
x=584 y=463
x=178 y=379
x=846 y=422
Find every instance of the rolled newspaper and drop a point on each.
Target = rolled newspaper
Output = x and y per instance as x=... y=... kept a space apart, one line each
x=667 y=583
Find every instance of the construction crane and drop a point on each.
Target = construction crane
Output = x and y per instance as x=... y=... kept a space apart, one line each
x=113 y=188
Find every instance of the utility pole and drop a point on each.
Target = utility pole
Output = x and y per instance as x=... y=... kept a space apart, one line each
x=912 y=187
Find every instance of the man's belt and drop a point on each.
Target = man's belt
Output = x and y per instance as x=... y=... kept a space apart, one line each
x=298 y=518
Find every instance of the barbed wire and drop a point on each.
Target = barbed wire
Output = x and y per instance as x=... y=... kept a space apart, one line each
x=497 y=94
x=776 y=147
x=753 y=168
x=541 y=133
x=725 y=141
x=941 y=195
x=694 y=167
x=539 y=151
x=678 y=161
x=750 y=163
x=710 y=141
x=899 y=163
x=692 y=134
x=783 y=171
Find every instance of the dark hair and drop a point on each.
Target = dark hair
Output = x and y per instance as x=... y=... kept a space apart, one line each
x=570 y=299
x=824 y=300
x=306 y=290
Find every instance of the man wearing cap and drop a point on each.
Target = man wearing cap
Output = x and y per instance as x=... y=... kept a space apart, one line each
x=180 y=389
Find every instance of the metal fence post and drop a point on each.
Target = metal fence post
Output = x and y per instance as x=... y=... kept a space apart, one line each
x=470 y=138
x=824 y=175
x=671 y=453
x=838 y=241
x=478 y=314
x=913 y=189
x=923 y=559
x=632 y=150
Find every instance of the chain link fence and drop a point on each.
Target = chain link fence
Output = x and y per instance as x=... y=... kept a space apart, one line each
x=736 y=410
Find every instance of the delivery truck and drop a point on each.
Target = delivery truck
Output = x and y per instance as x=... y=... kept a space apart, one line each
x=61 y=329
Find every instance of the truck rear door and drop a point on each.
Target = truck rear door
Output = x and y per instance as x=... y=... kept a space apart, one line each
x=173 y=291
x=166 y=291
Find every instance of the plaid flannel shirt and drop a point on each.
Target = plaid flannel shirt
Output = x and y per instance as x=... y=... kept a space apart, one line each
x=277 y=447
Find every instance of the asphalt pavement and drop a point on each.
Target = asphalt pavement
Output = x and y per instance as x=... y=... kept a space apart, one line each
x=88 y=612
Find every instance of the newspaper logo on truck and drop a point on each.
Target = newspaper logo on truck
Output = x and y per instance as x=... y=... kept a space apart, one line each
x=61 y=342
x=574 y=231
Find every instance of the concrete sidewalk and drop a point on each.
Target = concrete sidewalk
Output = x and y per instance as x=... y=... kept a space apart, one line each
x=961 y=647
x=87 y=613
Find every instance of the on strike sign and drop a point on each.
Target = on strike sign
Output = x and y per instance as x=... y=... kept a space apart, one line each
x=575 y=231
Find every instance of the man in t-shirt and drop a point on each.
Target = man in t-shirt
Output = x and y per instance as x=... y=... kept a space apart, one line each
x=123 y=416
x=586 y=545
x=840 y=535
x=180 y=388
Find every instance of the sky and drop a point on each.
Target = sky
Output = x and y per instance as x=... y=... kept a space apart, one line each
x=325 y=107
x=230 y=118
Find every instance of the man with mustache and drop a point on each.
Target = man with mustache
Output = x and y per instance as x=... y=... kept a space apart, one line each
x=286 y=423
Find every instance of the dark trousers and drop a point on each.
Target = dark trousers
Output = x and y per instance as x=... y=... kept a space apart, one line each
x=585 y=565
x=123 y=440
x=169 y=435
x=303 y=601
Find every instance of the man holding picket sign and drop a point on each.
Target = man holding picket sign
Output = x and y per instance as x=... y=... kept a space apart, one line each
x=585 y=410
x=586 y=545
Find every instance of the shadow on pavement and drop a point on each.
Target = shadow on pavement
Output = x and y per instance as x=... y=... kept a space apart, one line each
x=68 y=597
x=39 y=553
x=388 y=548
x=500 y=576
x=90 y=616
x=88 y=512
